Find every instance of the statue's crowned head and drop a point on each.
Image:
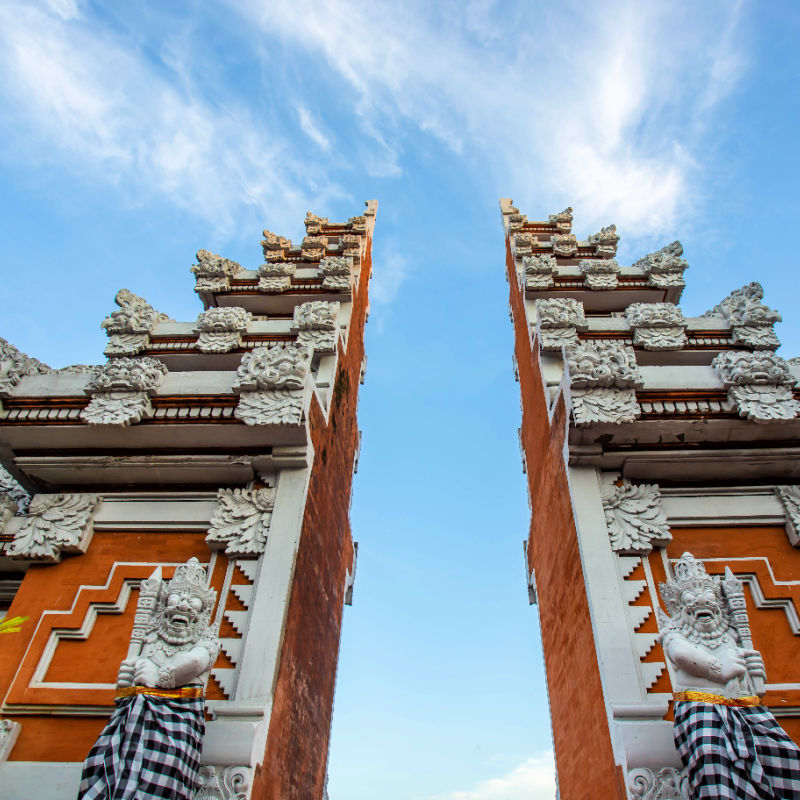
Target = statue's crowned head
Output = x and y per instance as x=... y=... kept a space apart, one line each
x=694 y=599
x=187 y=604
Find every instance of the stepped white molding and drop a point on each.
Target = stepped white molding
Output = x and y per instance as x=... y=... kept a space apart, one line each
x=241 y=522
x=213 y=273
x=635 y=519
x=558 y=321
x=600 y=273
x=657 y=326
x=220 y=329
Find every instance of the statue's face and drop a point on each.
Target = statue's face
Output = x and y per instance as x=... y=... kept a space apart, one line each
x=181 y=617
x=701 y=611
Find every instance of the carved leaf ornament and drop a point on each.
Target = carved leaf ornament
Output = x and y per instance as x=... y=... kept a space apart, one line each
x=635 y=520
x=241 y=522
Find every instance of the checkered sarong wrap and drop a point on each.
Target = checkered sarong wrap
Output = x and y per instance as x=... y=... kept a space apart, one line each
x=150 y=748
x=736 y=753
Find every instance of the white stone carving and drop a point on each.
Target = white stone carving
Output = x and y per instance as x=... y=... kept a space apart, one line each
x=275 y=277
x=665 y=267
x=523 y=244
x=603 y=364
x=759 y=383
x=224 y=783
x=121 y=390
x=129 y=326
x=9 y=732
x=213 y=273
x=635 y=519
x=605 y=241
x=8 y=508
x=350 y=246
x=313 y=247
x=790 y=498
x=667 y=784
x=314 y=223
x=357 y=224
x=593 y=406
x=221 y=328
x=276 y=248
x=336 y=272
x=600 y=273
x=539 y=271
x=564 y=244
x=515 y=221
x=241 y=522
x=559 y=320
x=562 y=220
x=56 y=524
x=14 y=365
x=316 y=322
x=750 y=320
x=10 y=487
x=657 y=326
x=278 y=407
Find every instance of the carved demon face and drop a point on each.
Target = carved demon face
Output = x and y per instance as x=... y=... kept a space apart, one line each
x=182 y=617
x=701 y=611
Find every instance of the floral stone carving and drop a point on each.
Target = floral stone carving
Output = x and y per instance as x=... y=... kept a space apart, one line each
x=667 y=784
x=224 y=783
x=665 y=267
x=539 y=271
x=270 y=381
x=759 y=383
x=241 y=522
x=635 y=520
x=275 y=247
x=564 y=244
x=275 y=277
x=14 y=365
x=562 y=220
x=523 y=244
x=213 y=273
x=129 y=326
x=350 y=246
x=335 y=272
x=357 y=224
x=750 y=320
x=221 y=328
x=605 y=241
x=593 y=406
x=317 y=323
x=314 y=223
x=600 y=274
x=657 y=326
x=559 y=320
x=121 y=390
x=313 y=247
x=56 y=524
x=790 y=498
x=603 y=364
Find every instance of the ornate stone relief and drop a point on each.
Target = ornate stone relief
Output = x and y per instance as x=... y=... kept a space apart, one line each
x=605 y=241
x=270 y=381
x=9 y=731
x=539 y=271
x=8 y=508
x=314 y=224
x=314 y=247
x=603 y=377
x=14 y=365
x=10 y=487
x=559 y=320
x=514 y=220
x=224 y=783
x=221 y=328
x=350 y=247
x=316 y=322
x=56 y=524
x=335 y=272
x=357 y=224
x=121 y=390
x=128 y=327
x=213 y=273
x=790 y=498
x=241 y=522
x=750 y=320
x=635 y=519
x=523 y=244
x=276 y=248
x=657 y=326
x=759 y=383
x=665 y=267
x=564 y=244
x=600 y=274
x=667 y=784
x=562 y=220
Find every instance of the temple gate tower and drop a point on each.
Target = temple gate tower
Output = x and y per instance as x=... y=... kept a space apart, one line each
x=645 y=434
x=232 y=439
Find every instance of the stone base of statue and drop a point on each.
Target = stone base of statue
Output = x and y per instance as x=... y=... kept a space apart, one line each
x=150 y=747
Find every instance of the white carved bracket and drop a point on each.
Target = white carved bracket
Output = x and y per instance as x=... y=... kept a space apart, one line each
x=666 y=784
x=558 y=322
x=635 y=520
x=539 y=271
x=600 y=274
x=56 y=524
x=241 y=522
x=213 y=273
x=317 y=323
x=751 y=321
x=336 y=273
x=657 y=326
x=665 y=267
x=220 y=329
x=275 y=277
x=224 y=783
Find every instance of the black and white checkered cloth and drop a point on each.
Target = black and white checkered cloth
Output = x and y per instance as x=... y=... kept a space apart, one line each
x=149 y=750
x=735 y=753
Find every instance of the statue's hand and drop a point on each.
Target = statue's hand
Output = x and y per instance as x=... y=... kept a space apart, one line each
x=146 y=673
x=733 y=667
x=126 y=672
x=755 y=664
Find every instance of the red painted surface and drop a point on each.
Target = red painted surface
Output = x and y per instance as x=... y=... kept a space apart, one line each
x=297 y=744
x=581 y=737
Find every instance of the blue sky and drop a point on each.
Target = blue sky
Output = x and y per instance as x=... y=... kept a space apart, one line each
x=135 y=134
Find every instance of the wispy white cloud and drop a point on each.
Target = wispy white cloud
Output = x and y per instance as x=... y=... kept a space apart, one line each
x=390 y=273
x=310 y=128
x=533 y=779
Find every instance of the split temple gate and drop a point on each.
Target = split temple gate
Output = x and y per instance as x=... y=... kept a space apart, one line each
x=645 y=434
x=232 y=439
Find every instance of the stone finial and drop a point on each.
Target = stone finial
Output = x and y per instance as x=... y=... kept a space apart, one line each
x=241 y=522
x=751 y=321
x=539 y=271
x=664 y=268
x=221 y=328
x=657 y=326
x=562 y=220
x=605 y=241
x=15 y=365
x=314 y=224
x=357 y=224
x=600 y=273
x=635 y=519
x=128 y=327
x=275 y=247
x=213 y=273
x=759 y=384
x=558 y=322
